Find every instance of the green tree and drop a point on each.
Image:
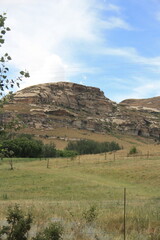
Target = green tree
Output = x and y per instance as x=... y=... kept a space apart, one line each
x=49 y=150
x=92 y=147
x=23 y=147
x=5 y=82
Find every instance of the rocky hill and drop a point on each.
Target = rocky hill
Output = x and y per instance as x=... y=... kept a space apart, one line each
x=65 y=104
x=149 y=104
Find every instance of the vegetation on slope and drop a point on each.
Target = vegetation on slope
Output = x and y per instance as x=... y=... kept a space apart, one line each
x=25 y=145
x=92 y=147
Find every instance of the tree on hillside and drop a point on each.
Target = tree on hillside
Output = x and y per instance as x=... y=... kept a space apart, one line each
x=5 y=82
x=92 y=147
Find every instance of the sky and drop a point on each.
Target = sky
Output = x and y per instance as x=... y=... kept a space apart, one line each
x=110 y=44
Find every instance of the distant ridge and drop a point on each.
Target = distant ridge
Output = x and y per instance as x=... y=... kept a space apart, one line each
x=148 y=102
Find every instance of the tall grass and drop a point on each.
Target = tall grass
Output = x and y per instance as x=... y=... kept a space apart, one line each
x=70 y=187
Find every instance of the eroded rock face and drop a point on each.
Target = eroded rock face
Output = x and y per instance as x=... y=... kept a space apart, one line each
x=66 y=95
x=65 y=104
x=149 y=104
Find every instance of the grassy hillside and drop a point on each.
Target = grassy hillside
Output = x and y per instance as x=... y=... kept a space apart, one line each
x=71 y=187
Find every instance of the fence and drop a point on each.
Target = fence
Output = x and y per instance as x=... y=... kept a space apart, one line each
x=117 y=218
x=116 y=213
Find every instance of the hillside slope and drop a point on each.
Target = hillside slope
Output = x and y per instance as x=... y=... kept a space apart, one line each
x=69 y=105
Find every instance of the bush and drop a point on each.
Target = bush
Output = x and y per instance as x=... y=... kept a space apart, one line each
x=26 y=146
x=133 y=150
x=18 y=225
x=49 y=150
x=66 y=153
x=23 y=147
x=90 y=215
x=53 y=232
x=92 y=147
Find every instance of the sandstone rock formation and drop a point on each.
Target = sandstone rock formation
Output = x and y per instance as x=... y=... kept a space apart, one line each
x=145 y=105
x=71 y=105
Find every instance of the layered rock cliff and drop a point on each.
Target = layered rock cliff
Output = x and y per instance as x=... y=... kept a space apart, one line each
x=71 y=105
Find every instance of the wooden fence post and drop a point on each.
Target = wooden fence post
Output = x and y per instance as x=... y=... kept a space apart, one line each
x=48 y=163
x=124 y=213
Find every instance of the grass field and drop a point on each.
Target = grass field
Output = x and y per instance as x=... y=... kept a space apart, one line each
x=71 y=187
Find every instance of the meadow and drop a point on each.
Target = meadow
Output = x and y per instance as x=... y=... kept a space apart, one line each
x=86 y=193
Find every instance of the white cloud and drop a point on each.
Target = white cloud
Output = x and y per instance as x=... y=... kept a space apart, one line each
x=113 y=7
x=151 y=89
x=135 y=87
x=109 y=7
x=115 y=22
x=132 y=55
x=40 y=34
x=44 y=33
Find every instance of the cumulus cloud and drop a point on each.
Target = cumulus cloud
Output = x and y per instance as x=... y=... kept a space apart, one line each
x=44 y=34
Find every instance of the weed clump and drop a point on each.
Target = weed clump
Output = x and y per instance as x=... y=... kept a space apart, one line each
x=53 y=232
x=90 y=215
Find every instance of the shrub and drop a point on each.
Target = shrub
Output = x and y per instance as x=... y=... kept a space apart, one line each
x=90 y=215
x=133 y=150
x=53 y=232
x=92 y=147
x=26 y=146
x=49 y=150
x=66 y=153
x=23 y=147
x=18 y=225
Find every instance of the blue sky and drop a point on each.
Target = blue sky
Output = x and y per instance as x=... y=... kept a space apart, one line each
x=110 y=44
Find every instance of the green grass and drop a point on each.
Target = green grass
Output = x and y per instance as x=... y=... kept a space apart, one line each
x=68 y=187
x=20 y=159
x=67 y=179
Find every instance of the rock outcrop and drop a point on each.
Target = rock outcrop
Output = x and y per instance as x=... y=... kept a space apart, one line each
x=150 y=104
x=66 y=104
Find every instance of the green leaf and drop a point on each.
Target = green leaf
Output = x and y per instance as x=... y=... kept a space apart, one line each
x=3 y=32
x=22 y=72
x=2 y=59
x=9 y=58
x=1 y=41
x=27 y=75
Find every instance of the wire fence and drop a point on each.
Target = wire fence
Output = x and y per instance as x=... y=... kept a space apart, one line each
x=118 y=217
x=95 y=158
x=122 y=214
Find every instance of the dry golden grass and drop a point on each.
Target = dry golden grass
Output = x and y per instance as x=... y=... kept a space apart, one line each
x=71 y=186
x=19 y=107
